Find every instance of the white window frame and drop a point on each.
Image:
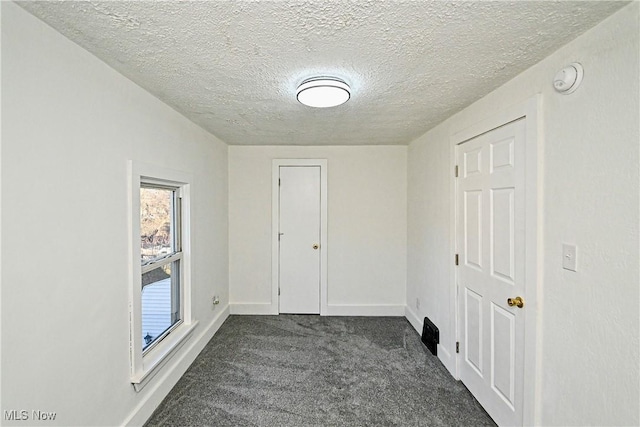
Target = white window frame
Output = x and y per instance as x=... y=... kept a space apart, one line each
x=146 y=364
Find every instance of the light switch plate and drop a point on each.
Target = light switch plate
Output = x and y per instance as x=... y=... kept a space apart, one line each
x=569 y=257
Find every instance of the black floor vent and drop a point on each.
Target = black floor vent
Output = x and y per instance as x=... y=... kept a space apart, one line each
x=430 y=336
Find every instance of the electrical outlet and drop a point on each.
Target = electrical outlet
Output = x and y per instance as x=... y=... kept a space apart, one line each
x=216 y=300
x=418 y=303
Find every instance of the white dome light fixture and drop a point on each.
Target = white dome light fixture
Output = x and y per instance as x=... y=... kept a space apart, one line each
x=323 y=92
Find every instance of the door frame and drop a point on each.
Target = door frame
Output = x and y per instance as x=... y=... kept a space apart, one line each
x=275 y=215
x=530 y=111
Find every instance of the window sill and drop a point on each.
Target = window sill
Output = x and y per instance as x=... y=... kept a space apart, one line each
x=157 y=357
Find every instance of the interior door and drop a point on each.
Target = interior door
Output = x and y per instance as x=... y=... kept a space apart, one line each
x=299 y=239
x=491 y=247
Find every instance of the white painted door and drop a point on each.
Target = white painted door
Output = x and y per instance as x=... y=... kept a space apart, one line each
x=491 y=248
x=299 y=230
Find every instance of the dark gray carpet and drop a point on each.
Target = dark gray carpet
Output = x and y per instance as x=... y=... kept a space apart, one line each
x=297 y=370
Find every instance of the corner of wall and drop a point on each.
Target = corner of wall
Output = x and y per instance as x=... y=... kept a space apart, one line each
x=412 y=317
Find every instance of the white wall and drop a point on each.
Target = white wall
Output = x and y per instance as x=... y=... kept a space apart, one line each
x=428 y=254
x=366 y=230
x=70 y=124
x=590 y=181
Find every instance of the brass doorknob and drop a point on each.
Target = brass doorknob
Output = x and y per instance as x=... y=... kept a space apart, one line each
x=315 y=246
x=517 y=301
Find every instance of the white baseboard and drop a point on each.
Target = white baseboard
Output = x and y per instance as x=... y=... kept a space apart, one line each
x=260 y=308
x=164 y=381
x=413 y=318
x=332 y=310
x=444 y=354
x=364 y=310
x=447 y=360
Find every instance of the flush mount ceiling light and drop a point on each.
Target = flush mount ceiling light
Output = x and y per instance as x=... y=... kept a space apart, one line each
x=322 y=92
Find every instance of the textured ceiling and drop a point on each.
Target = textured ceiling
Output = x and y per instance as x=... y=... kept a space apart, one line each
x=233 y=67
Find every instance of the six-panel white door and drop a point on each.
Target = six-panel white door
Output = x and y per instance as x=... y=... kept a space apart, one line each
x=490 y=242
x=299 y=244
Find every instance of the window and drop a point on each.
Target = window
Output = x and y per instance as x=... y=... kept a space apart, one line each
x=160 y=290
x=160 y=256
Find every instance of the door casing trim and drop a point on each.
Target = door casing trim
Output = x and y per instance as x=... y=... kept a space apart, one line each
x=275 y=214
x=530 y=110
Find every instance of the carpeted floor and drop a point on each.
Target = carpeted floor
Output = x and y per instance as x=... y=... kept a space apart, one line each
x=298 y=370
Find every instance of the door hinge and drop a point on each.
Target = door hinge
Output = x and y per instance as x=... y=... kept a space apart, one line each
x=278 y=182
x=456 y=171
x=457 y=346
x=457 y=259
x=278 y=291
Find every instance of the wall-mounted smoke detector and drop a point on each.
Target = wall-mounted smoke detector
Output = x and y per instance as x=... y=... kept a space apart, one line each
x=323 y=92
x=568 y=79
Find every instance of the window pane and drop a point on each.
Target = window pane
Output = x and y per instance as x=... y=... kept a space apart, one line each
x=160 y=301
x=156 y=223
